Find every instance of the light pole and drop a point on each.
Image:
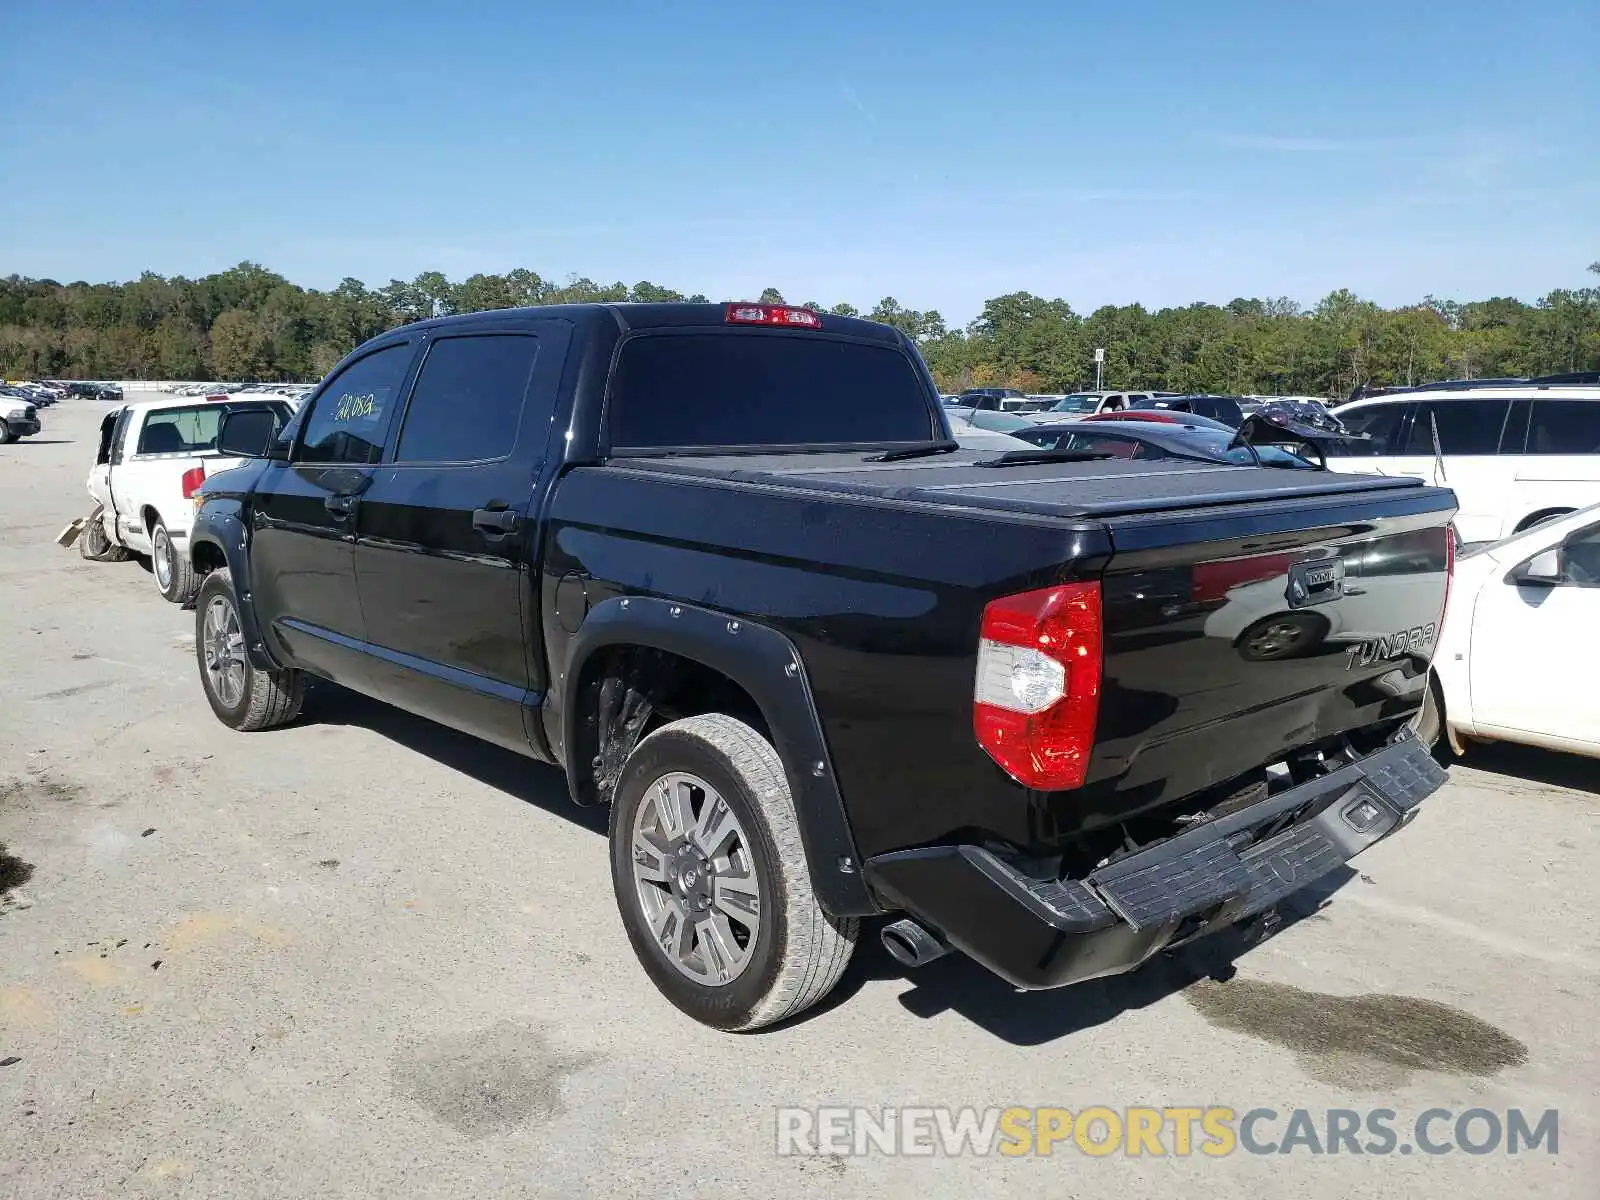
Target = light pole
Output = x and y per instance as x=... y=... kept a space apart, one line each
x=1099 y=369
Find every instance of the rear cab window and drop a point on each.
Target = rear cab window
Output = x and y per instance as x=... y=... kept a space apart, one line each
x=744 y=388
x=193 y=429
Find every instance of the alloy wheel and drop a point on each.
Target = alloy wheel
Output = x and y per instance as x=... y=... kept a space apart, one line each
x=695 y=878
x=222 y=644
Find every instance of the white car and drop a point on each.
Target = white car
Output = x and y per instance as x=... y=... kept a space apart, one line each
x=1515 y=454
x=153 y=457
x=1519 y=652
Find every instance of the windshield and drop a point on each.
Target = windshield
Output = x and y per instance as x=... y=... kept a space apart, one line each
x=1075 y=404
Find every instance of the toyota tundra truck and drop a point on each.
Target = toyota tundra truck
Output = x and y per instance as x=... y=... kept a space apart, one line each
x=725 y=567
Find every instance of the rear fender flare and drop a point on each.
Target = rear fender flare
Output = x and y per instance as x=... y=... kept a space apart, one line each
x=765 y=664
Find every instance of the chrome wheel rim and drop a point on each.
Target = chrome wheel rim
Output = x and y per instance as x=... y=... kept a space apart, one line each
x=695 y=879
x=162 y=559
x=222 y=647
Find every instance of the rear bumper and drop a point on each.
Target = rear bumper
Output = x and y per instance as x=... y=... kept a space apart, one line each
x=1043 y=933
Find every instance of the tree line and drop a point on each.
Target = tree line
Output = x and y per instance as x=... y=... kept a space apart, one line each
x=248 y=323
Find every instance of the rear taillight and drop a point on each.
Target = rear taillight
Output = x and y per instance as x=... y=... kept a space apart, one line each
x=773 y=314
x=192 y=479
x=1037 y=692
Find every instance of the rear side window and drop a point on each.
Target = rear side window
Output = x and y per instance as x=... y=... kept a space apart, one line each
x=1565 y=427
x=351 y=416
x=754 y=389
x=1465 y=426
x=467 y=401
x=1381 y=421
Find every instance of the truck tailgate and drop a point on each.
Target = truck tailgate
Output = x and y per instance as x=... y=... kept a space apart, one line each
x=1235 y=638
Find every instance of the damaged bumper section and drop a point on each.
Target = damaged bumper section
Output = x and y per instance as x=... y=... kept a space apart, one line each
x=1043 y=933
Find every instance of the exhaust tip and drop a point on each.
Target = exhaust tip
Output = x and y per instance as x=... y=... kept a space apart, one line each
x=910 y=945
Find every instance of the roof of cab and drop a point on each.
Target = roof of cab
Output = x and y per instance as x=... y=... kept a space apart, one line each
x=656 y=316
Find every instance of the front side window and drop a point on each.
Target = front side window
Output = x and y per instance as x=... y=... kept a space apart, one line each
x=107 y=427
x=351 y=416
x=1565 y=427
x=746 y=388
x=1514 y=437
x=1380 y=421
x=468 y=399
x=118 y=434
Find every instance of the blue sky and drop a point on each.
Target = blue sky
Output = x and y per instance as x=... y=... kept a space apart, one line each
x=938 y=152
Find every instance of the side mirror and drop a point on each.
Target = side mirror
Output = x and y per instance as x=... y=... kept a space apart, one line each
x=248 y=433
x=1542 y=570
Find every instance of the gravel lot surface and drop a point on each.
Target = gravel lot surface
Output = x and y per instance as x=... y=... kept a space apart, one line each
x=364 y=956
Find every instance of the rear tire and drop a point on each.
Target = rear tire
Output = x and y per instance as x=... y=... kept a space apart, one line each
x=243 y=697
x=94 y=545
x=717 y=900
x=175 y=576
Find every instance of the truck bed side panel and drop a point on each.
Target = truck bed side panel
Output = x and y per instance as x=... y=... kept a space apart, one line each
x=882 y=600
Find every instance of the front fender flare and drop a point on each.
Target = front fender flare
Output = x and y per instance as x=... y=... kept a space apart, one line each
x=223 y=527
x=765 y=664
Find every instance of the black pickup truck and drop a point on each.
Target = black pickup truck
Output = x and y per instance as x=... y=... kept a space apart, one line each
x=724 y=565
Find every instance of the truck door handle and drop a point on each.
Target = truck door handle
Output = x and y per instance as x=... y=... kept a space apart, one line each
x=496 y=522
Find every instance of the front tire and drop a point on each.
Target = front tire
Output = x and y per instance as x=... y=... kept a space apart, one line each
x=95 y=545
x=6 y=436
x=712 y=881
x=243 y=697
x=175 y=575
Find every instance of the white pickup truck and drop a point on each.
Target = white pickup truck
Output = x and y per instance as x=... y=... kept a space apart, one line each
x=152 y=458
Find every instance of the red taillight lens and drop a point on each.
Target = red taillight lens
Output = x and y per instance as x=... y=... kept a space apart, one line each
x=1037 y=692
x=773 y=314
x=192 y=479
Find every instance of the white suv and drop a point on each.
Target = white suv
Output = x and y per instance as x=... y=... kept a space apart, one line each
x=1516 y=454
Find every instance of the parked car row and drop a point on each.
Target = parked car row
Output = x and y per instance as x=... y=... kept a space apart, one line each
x=821 y=662
x=293 y=392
